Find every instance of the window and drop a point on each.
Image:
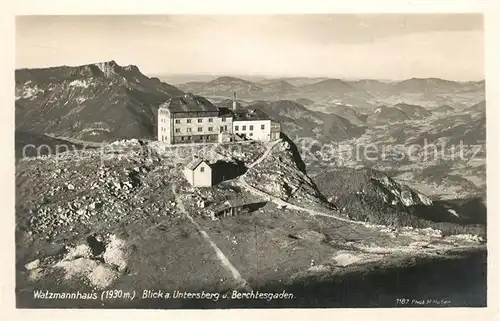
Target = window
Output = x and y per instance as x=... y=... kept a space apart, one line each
x=223 y=119
x=182 y=138
x=200 y=129
x=188 y=121
x=177 y=121
x=188 y=130
x=262 y=126
x=208 y=137
x=177 y=130
x=200 y=120
x=251 y=127
x=225 y=127
x=243 y=127
x=236 y=128
x=202 y=169
x=210 y=129
x=251 y=134
x=210 y=120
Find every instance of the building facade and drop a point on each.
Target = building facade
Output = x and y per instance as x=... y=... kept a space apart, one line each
x=191 y=119
x=194 y=119
x=255 y=124
x=198 y=173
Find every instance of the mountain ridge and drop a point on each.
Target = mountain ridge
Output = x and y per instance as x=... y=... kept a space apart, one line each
x=100 y=101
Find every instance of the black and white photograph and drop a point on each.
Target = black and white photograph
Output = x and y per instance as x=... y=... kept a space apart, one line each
x=250 y=161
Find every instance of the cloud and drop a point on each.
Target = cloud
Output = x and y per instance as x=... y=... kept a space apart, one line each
x=346 y=45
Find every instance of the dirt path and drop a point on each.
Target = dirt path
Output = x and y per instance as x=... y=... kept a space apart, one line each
x=265 y=154
x=242 y=283
x=277 y=200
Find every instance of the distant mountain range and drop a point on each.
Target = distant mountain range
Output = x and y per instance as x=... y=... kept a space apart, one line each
x=363 y=94
x=101 y=101
x=105 y=101
x=299 y=121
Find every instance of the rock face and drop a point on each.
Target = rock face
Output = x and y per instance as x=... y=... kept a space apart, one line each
x=62 y=192
x=371 y=196
x=343 y=183
x=99 y=270
x=97 y=102
x=282 y=174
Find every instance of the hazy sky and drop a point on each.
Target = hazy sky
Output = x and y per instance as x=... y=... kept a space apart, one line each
x=344 y=45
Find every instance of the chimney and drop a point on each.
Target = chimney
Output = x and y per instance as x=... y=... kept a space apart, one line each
x=234 y=100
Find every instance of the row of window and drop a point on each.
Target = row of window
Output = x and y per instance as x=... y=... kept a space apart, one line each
x=189 y=138
x=244 y=127
x=211 y=129
x=200 y=120
x=200 y=129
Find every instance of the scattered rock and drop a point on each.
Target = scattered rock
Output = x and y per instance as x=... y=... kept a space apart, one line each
x=346 y=258
x=115 y=254
x=309 y=235
x=319 y=269
x=32 y=265
x=36 y=274
x=81 y=251
x=102 y=276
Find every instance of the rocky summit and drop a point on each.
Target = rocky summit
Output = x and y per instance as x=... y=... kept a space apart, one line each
x=96 y=102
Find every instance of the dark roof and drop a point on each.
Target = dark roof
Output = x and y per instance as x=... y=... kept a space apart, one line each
x=250 y=114
x=192 y=165
x=189 y=102
x=225 y=112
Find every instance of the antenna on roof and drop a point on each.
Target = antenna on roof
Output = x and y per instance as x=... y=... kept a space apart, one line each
x=234 y=100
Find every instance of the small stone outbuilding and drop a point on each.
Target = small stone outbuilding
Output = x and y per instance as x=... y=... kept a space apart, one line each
x=198 y=173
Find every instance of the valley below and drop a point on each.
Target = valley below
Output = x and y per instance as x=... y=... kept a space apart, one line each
x=372 y=197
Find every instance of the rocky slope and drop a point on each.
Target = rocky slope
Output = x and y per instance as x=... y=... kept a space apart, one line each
x=283 y=174
x=101 y=219
x=102 y=101
x=369 y=195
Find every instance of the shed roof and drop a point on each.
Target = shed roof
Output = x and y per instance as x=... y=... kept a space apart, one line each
x=235 y=202
x=193 y=164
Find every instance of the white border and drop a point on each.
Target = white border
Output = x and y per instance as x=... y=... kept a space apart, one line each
x=25 y=7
